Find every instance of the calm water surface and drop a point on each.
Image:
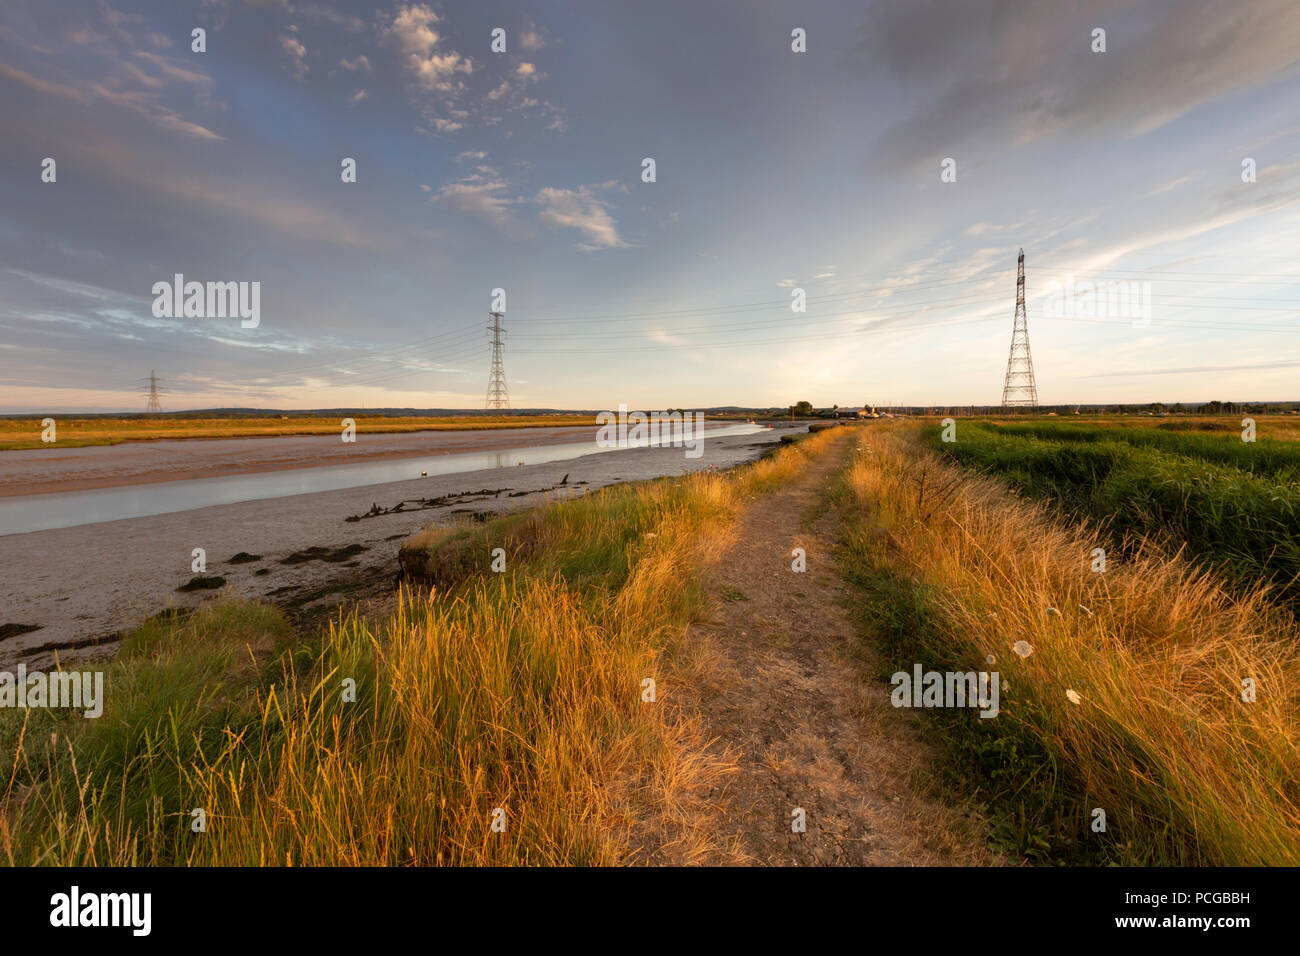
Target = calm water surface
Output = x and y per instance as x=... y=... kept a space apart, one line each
x=66 y=509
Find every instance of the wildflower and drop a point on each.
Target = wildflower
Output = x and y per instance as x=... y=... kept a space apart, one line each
x=991 y=659
x=1052 y=610
x=1023 y=648
x=1073 y=697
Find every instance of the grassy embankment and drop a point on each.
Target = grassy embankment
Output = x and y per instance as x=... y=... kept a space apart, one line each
x=75 y=432
x=1127 y=693
x=520 y=691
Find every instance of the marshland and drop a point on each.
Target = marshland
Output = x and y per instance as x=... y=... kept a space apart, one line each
x=553 y=685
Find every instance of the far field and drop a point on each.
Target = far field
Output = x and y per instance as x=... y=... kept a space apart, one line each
x=74 y=432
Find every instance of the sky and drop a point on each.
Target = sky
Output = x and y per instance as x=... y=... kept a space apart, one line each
x=890 y=171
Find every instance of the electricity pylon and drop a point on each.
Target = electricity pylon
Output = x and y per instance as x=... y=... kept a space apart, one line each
x=155 y=406
x=498 y=397
x=1019 y=389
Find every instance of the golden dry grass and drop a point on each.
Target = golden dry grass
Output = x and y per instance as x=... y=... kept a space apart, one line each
x=515 y=697
x=1155 y=652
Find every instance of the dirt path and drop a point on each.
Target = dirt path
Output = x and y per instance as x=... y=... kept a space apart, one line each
x=786 y=695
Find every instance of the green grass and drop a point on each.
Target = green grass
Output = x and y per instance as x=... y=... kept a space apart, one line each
x=1000 y=765
x=518 y=690
x=1218 y=444
x=1235 y=506
x=1129 y=697
x=181 y=687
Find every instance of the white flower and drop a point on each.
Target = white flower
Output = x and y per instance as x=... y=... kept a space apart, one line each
x=1023 y=648
x=1073 y=697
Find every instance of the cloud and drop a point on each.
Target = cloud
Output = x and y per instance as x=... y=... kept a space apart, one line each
x=526 y=69
x=297 y=53
x=170 y=71
x=470 y=154
x=314 y=11
x=413 y=31
x=42 y=86
x=413 y=34
x=357 y=97
x=83 y=36
x=531 y=39
x=127 y=86
x=485 y=200
x=1172 y=184
x=361 y=63
x=992 y=75
x=664 y=338
x=1200 y=369
x=582 y=210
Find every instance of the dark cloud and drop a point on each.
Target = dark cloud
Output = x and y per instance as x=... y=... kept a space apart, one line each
x=987 y=76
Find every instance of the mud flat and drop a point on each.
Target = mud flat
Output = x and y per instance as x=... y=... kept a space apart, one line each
x=50 y=470
x=69 y=591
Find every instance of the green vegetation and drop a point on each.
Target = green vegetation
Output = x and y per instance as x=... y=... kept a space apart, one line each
x=1120 y=691
x=1234 y=505
x=399 y=739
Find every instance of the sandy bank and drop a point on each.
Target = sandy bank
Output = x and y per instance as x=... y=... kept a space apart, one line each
x=80 y=585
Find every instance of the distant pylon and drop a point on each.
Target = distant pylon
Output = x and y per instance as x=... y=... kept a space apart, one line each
x=497 y=396
x=155 y=406
x=1019 y=389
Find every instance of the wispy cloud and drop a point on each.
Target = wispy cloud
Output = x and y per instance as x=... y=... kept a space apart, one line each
x=487 y=200
x=581 y=209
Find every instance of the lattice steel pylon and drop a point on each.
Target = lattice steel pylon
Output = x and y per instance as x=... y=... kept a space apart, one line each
x=155 y=406
x=1019 y=390
x=497 y=396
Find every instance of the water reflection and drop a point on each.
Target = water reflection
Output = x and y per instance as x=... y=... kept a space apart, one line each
x=67 y=509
